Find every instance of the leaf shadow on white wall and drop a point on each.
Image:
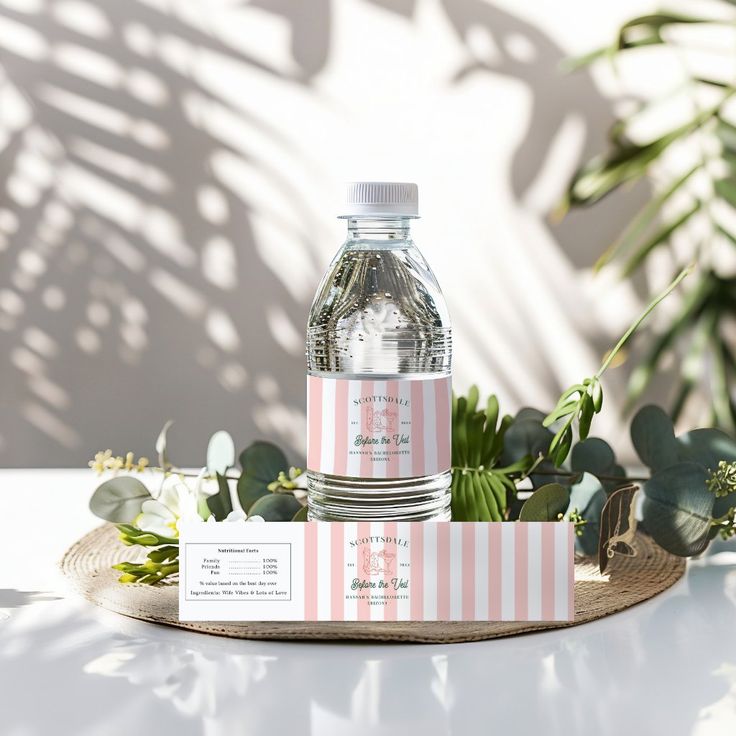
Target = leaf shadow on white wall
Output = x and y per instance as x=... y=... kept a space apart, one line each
x=134 y=285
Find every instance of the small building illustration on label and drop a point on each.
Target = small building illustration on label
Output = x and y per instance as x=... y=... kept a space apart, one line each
x=378 y=563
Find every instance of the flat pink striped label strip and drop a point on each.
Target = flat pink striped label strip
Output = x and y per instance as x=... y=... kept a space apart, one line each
x=445 y=571
x=378 y=428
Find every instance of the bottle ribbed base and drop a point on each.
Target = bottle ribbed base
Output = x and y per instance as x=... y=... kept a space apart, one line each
x=336 y=498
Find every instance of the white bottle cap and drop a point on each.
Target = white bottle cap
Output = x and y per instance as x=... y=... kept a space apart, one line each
x=377 y=198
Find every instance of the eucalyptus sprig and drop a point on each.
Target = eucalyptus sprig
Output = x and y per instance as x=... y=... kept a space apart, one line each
x=583 y=400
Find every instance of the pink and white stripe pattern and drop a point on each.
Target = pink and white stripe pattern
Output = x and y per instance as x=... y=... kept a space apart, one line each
x=378 y=429
x=445 y=571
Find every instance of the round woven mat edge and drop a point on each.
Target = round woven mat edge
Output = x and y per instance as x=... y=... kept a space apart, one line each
x=87 y=567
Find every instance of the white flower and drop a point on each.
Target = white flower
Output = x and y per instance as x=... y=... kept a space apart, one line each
x=175 y=501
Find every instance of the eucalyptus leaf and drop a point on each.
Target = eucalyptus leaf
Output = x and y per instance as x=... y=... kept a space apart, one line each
x=587 y=497
x=525 y=437
x=221 y=504
x=678 y=507
x=220 y=452
x=119 y=499
x=653 y=437
x=261 y=462
x=706 y=446
x=596 y=456
x=301 y=515
x=276 y=507
x=546 y=503
x=593 y=455
x=529 y=413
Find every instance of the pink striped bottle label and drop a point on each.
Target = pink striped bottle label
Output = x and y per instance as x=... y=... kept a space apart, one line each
x=377 y=571
x=378 y=428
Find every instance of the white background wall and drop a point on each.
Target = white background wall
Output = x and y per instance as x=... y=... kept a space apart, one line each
x=169 y=175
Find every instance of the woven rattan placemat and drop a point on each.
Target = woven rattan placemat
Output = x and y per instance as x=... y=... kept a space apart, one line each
x=631 y=580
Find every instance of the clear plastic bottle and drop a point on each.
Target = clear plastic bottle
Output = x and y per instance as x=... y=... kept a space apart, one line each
x=379 y=353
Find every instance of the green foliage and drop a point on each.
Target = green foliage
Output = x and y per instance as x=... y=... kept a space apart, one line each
x=266 y=488
x=595 y=456
x=684 y=507
x=689 y=499
x=580 y=402
x=703 y=193
x=301 y=515
x=653 y=437
x=547 y=503
x=261 y=462
x=722 y=481
x=221 y=504
x=678 y=508
x=491 y=456
x=276 y=507
x=525 y=437
x=586 y=500
x=119 y=499
x=160 y=564
x=583 y=400
x=131 y=535
x=481 y=487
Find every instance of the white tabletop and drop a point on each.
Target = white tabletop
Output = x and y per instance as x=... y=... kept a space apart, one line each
x=667 y=666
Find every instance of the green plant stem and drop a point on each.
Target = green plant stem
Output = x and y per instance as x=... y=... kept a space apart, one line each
x=572 y=474
x=635 y=325
x=558 y=473
x=532 y=469
x=518 y=467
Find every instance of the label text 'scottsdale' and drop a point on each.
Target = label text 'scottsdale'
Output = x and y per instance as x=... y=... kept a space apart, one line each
x=378 y=399
x=399 y=542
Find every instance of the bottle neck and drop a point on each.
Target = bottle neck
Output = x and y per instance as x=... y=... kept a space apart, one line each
x=378 y=228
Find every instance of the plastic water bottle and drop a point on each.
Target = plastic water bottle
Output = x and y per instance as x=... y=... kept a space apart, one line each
x=379 y=352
